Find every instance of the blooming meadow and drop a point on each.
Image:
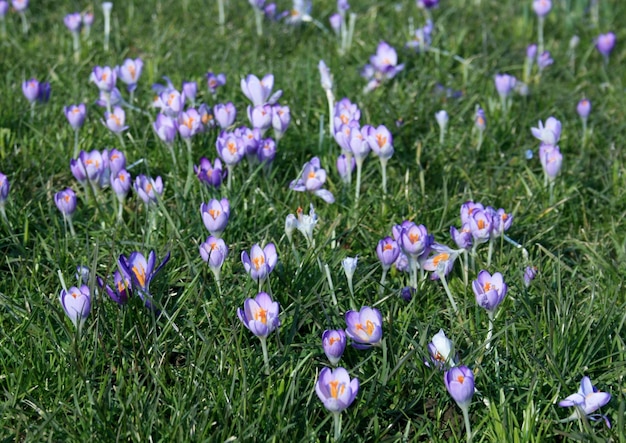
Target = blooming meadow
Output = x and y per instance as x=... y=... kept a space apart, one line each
x=313 y=221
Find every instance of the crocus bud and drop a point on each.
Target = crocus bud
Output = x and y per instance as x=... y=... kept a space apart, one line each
x=66 y=201
x=459 y=382
x=583 y=108
x=334 y=343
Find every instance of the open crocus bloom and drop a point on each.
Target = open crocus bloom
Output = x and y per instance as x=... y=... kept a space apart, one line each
x=260 y=314
x=364 y=327
x=587 y=400
x=335 y=389
x=260 y=262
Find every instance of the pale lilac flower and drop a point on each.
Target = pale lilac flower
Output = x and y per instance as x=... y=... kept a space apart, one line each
x=115 y=120
x=442 y=262
x=76 y=303
x=189 y=123
x=75 y=115
x=542 y=7
x=260 y=117
x=225 y=114
x=505 y=84
x=551 y=160
x=335 y=389
x=104 y=78
x=334 y=343
x=441 y=350
x=605 y=43
x=261 y=262
x=166 y=128
x=459 y=382
x=73 y=22
x=587 y=400
x=214 y=251
x=365 y=327
x=259 y=92
x=312 y=179
x=215 y=215
x=190 y=89
x=345 y=167
x=129 y=72
x=148 y=189
x=210 y=175
x=66 y=201
x=489 y=290
x=583 y=108
x=529 y=275
x=215 y=81
x=544 y=60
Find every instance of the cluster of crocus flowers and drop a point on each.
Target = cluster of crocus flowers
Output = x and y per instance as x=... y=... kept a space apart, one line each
x=260 y=316
x=311 y=180
x=586 y=401
x=140 y=272
x=549 y=153
x=265 y=111
x=212 y=175
x=382 y=66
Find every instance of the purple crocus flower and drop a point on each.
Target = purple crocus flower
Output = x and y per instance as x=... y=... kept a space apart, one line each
x=605 y=43
x=114 y=159
x=215 y=81
x=459 y=382
x=489 y=290
x=383 y=66
x=215 y=215
x=260 y=117
x=122 y=288
x=206 y=116
x=120 y=183
x=365 y=327
x=129 y=72
x=427 y=4
x=462 y=237
x=502 y=221
x=281 y=118
x=531 y=53
x=505 y=84
x=415 y=240
x=66 y=201
x=467 y=210
x=587 y=400
x=544 y=60
x=335 y=389
x=259 y=92
x=214 y=252
x=529 y=275
x=260 y=263
x=73 y=21
x=190 y=89
x=334 y=343
x=141 y=272
x=115 y=120
x=76 y=303
x=225 y=114
x=266 y=151
x=166 y=128
x=189 y=123
x=19 y=5
x=112 y=98
x=210 y=175
x=422 y=38
x=381 y=142
x=104 y=78
x=171 y=102
x=30 y=88
x=230 y=148
x=442 y=262
x=551 y=160
x=88 y=18
x=542 y=7
x=481 y=224
x=44 y=92
x=93 y=166
x=583 y=108
x=387 y=251
x=4 y=8
x=5 y=186
x=335 y=23
x=345 y=167
x=441 y=350
x=479 y=119
x=312 y=179
x=148 y=189
x=75 y=115
x=346 y=112
x=260 y=315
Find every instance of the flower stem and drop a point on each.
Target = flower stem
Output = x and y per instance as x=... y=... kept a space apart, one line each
x=490 y=252
x=220 y=13
x=331 y=111
x=230 y=176
x=381 y=288
x=442 y=277
x=337 y=425
x=190 y=168
x=76 y=45
x=330 y=284
x=71 y=225
x=24 y=23
x=490 y=331
x=258 y=19
x=383 y=166
x=266 y=359
x=359 y=168
x=540 y=35
x=468 y=427
x=76 y=144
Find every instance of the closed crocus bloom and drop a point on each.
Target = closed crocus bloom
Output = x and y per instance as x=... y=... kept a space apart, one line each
x=165 y=127
x=505 y=84
x=260 y=263
x=120 y=183
x=148 y=189
x=5 y=186
x=121 y=290
x=306 y=224
x=542 y=7
x=281 y=118
x=345 y=167
x=141 y=272
x=73 y=21
x=442 y=119
x=489 y=290
x=76 y=303
x=259 y=92
x=502 y=222
x=531 y=53
x=129 y=72
x=215 y=81
x=215 y=215
x=66 y=201
x=335 y=23
x=365 y=327
x=441 y=350
x=225 y=114
x=479 y=119
x=583 y=108
x=190 y=89
x=529 y=275
x=260 y=315
x=214 y=252
x=260 y=117
x=189 y=123
x=115 y=160
x=30 y=88
x=587 y=400
x=335 y=389
x=115 y=120
x=75 y=115
x=459 y=382
x=387 y=251
x=88 y=18
x=93 y=165
x=172 y=102
x=605 y=43
x=325 y=76
x=551 y=160
x=210 y=175
x=334 y=343
x=415 y=240
x=104 y=78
